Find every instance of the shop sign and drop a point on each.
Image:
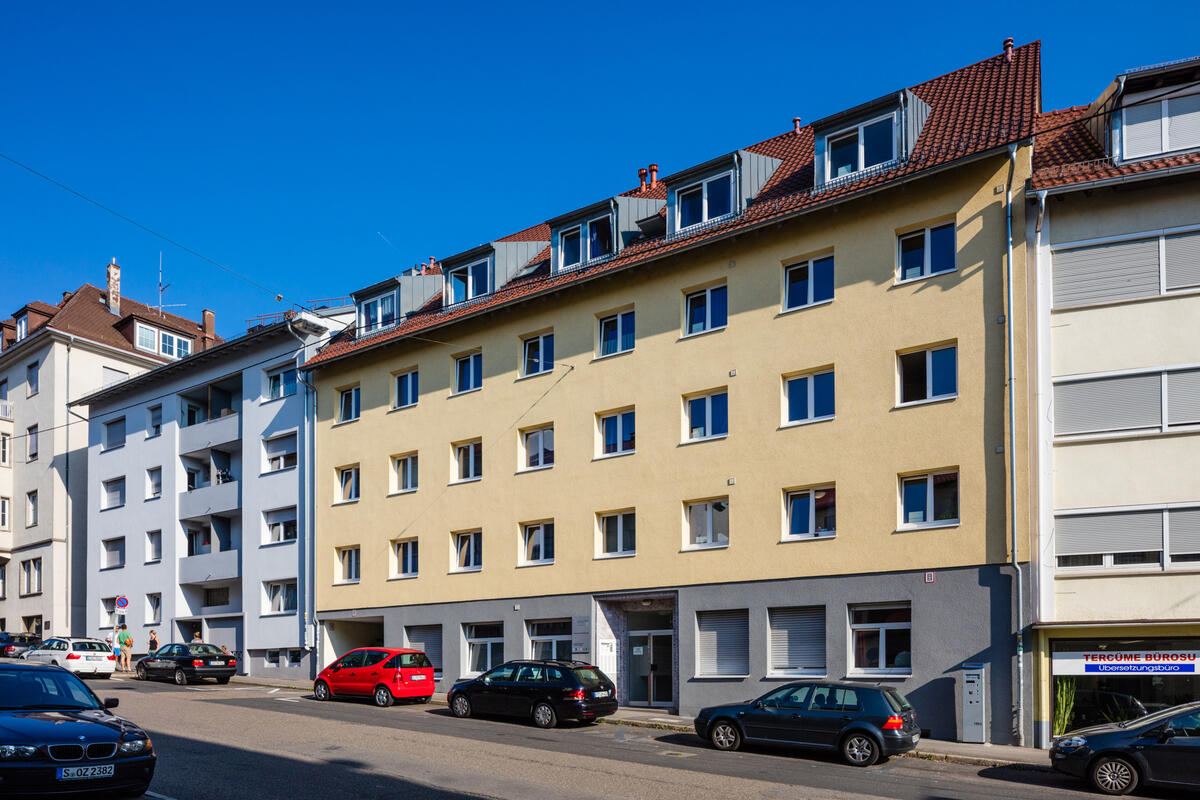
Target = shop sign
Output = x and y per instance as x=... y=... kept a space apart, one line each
x=1127 y=662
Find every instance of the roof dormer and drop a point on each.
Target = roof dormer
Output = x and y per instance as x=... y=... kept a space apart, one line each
x=1156 y=112
x=483 y=270
x=715 y=191
x=384 y=305
x=868 y=139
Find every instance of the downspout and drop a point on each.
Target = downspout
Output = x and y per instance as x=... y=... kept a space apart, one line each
x=67 y=482
x=306 y=479
x=737 y=180
x=1012 y=448
x=616 y=231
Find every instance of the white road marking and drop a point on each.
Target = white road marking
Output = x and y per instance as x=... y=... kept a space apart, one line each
x=118 y=680
x=273 y=691
x=158 y=796
x=288 y=699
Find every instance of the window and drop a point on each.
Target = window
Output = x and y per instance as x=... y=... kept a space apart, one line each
x=281 y=383
x=22 y=327
x=199 y=541
x=174 y=346
x=280 y=452
x=468 y=457
x=539 y=447
x=617 y=433
x=153 y=546
x=1146 y=538
x=808 y=283
x=600 y=237
x=809 y=397
x=811 y=513
x=295 y=657
x=1127 y=403
x=154 y=483
x=569 y=248
x=704 y=201
x=928 y=374
x=153 y=421
x=618 y=534
x=109 y=376
x=723 y=643
x=468 y=282
x=708 y=415
x=706 y=310
x=926 y=252
x=929 y=500
x=5 y=449
x=272 y=658
x=377 y=313
x=468 y=373
x=146 y=337
x=427 y=639
x=3 y=588
x=281 y=597
x=114 y=493
x=32 y=379
x=108 y=612
x=573 y=251
x=31 y=509
x=281 y=525
x=866 y=145
x=1153 y=125
x=348 y=564
x=31 y=443
x=348 y=404
x=537 y=543
x=550 y=640
x=468 y=551
x=708 y=524
x=347 y=484
x=112 y=553
x=485 y=646
x=1146 y=265
x=882 y=638
x=4 y=390
x=216 y=596
x=404 y=473
x=5 y=504
x=31 y=576
x=154 y=609
x=407 y=389
x=537 y=354
x=405 y=555
x=796 y=637
x=616 y=334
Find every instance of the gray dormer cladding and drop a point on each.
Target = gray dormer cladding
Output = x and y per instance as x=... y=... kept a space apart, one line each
x=750 y=172
x=410 y=290
x=505 y=260
x=911 y=113
x=625 y=211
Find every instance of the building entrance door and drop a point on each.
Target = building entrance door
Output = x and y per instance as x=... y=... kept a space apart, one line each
x=649 y=666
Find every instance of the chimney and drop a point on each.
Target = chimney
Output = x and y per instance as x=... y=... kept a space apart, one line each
x=796 y=125
x=430 y=270
x=66 y=296
x=114 y=288
x=209 y=337
x=653 y=176
x=1008 y=48
x=642 y=173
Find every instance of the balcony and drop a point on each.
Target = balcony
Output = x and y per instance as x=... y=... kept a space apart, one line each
x=210 y=567
x=219 y=498
x=213 y=433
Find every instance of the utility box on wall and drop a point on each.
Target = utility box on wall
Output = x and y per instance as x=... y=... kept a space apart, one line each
x=974 y=710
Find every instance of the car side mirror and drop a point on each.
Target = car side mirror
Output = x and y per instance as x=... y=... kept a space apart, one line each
x=1165 y=734
x=112 y=702
x=486 y=679
x=759 y=704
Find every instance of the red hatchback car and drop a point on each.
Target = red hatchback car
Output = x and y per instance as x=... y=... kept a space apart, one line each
x=384 y=674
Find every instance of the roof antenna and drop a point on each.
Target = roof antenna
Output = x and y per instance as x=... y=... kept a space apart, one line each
x=162 y=289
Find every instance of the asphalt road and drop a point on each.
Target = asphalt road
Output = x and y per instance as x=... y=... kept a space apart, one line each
x=218 y=743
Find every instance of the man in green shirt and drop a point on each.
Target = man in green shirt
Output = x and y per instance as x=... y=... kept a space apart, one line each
x=125 y=640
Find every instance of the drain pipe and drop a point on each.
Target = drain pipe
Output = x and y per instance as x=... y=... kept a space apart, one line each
x=1012 y=450
x=307 y=479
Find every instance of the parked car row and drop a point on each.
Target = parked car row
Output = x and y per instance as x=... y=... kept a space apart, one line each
x=13 y=645
x=81 y=656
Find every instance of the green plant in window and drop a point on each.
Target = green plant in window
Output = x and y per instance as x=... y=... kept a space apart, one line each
x=1064 y=704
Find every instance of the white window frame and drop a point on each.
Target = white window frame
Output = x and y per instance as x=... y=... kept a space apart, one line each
x=704 y=216
x=413 y=379
x=153 y=608
x=708 y=305
x=277 y=384
x=33 y=378
x=22 y=326
x=540 y=340
x=174 y=346
x=882 y=627
x=619 y=516
x=107 y=444
x=31 y=443
x=1108 y=563
x=809 y=302
x=348 y=564
x=137 y=338
x=617 y=318
x=404 y=553
x=348 y=488
x=151 y=494
x=813 y=534
x=151 y=538
x=276 y=524
x=858 y=131
x=105 y=502
x=405 y=473
x=472 y=289
x=277 y=591
x=465 y=455
x=785 y=406
x=5 y=513
x=709 y=542
x=470 y=544
x=458 y=389
x=533 y=534
x=31 y=576
x=364 y=327
x=5 y=450
x=486 y=641
x=618 y=418
x=106 y=554
x=902 y=525
x=553 y=639
x=31 y=509
x=355 y=410
x=926 y=268
x=689 y=427
x=929 y=397
x=583 y=256
x=151 y=431
x=1164 y=128
x=279 y=461
x=531 y=444
x=587 y=229
x=271 y=658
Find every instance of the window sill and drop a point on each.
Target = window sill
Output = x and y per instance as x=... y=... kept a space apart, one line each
x=265 y=545
x=344 y=502
x=342 y=422
x=704 y=332
x=702 y=439
x=401 y=408
x=694 y=547
x=150 y=436
x=535 y=469
x=264 y=473
x=532 y=375
x=809 y=537
x=929 y=526
x=905 y=281
x=346 y=583
x=929 y=401
x=523 y=564
x=462 y=570
x=720 y=677
x=802 y=422
x=152 y=499
x=872 y=674
x=113 y=567
x=466 y=391
x=789 y=676
x=268 y=400
x=30 y=459
x=605 y=456
x=112 y=508
x=291 y=613
x=783 y=312
x=465 y=480
x=152 y=561
x=1134 y=570
x=112 y=449
x=1122 y=435
x=399 y=492
x=605 y=356
x=403 y=577
x=607 y=556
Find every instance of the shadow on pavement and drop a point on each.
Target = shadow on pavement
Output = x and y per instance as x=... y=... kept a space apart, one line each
x=693 y=741
x=1033 y=776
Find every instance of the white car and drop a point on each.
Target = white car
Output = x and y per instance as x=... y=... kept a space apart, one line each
x=81 y=656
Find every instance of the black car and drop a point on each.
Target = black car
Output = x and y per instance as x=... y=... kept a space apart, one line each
x=58 y=738
x=543 y=691
x=12 y=645
x=184 y=663
x=862 y=722
x=1159 y=749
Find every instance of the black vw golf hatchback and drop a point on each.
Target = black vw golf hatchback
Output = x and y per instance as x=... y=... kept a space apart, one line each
x=542 y=691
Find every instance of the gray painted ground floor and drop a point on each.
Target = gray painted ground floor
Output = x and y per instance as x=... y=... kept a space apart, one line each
x=929 y=635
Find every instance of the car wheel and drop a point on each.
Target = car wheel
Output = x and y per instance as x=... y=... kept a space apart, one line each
x=460 y=706
x=180 y=678
x=321 y=691
x=1114 y=775
x=141 y=672
x=725 y=735
x=860 y=750
x=383 y=696
x=544 y=716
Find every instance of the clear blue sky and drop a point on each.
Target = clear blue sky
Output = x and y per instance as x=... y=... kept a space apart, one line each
x=279 y=138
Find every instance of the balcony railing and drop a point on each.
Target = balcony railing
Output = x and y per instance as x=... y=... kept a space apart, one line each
x=213 y=433
x=208 y=567
x=219 y=498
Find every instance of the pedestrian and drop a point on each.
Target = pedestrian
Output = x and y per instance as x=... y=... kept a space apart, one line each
x=152 y=642
x=196 y=637
x=125 y=640
x=225 y=650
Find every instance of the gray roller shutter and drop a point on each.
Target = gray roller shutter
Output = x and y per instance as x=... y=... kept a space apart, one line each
x=1185 y=531
x=1108 y=404
x=1143 y=129
x=1106 y=272
x=1124 y=532
x=1183 y=397
x=797 y=639
x=1183 y=122
x=723 y=642
x=1182 y=256
x=429 y=639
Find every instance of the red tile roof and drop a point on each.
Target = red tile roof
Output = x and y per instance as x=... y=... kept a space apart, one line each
x=537 y=233
x=973 y=110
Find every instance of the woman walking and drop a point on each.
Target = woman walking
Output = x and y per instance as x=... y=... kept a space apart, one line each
x=152 y=642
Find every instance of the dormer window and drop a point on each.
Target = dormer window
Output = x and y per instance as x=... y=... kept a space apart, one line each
x=377 y=313
x=147 y=338
x=574 y=250
x=467 y=282
x=173 y=346
x=705 y=201
x=1164 y=125
x=22 y=327
x=866 y=145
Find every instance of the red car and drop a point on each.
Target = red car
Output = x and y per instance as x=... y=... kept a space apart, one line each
x=384 y=674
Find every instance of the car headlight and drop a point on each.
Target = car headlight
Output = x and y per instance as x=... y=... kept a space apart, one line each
x=135 y=746
x=14 y=751
x=1071 y=742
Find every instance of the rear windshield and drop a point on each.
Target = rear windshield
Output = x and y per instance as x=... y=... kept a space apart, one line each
x=590 y=677
x=415 y=660
x=205 y=650
x=897 y=701
x=90 y=647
